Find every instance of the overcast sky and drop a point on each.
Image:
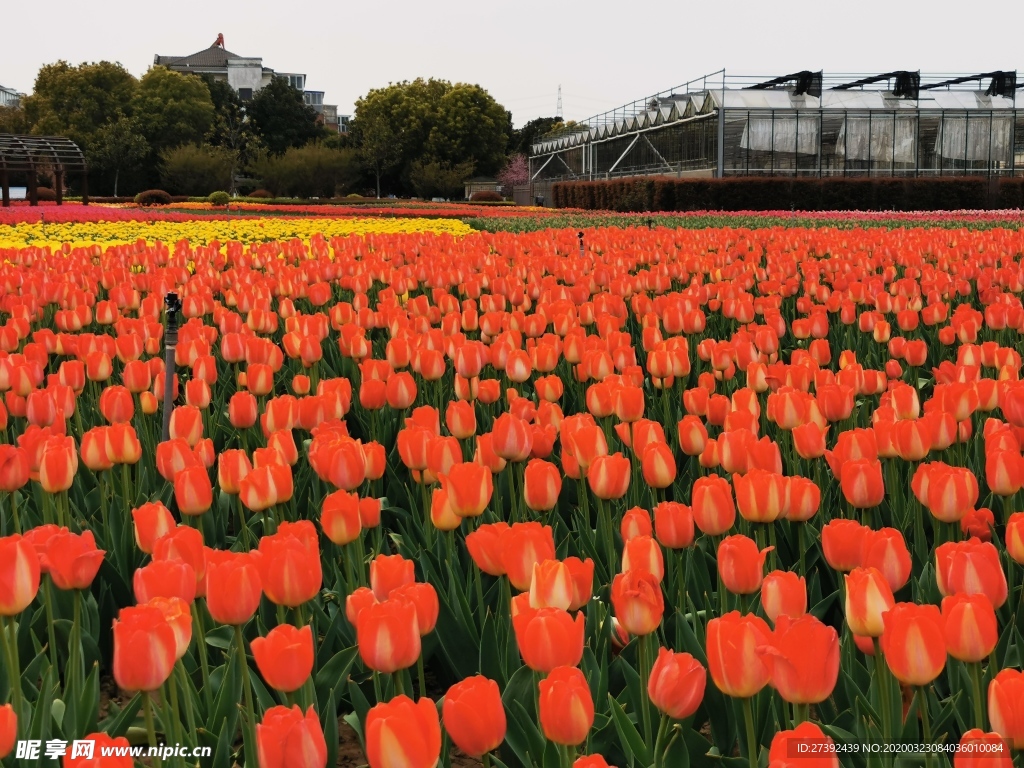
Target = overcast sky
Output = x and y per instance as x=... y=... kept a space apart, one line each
x=602 y=53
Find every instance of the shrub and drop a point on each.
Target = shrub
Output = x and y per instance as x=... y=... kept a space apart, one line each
x=485 y=196
x=765 y=193
x=310 y=171
x=219 y=198
x=153 y=197
x=436 y=179
x=198 y=170
x=45 y=194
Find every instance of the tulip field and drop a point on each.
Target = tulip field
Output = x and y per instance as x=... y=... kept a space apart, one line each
x=571 y=493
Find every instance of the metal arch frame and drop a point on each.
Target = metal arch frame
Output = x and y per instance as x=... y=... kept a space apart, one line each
x=20 y=153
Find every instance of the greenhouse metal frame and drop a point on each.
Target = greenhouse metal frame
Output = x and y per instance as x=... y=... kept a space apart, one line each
x=808 y=123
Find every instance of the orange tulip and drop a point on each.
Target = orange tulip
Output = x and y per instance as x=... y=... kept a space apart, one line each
x=460 y=418
x=1006 y=706
x=642 y=553
x=290 y=564
x=862 y=484
x=972 y=630
x=94 y=449
x=511 y=438
x=144 y=648
x=913 y=642
x=658 y=465
x=486 y=548
x=266 y=486
x=982 y=750
x=842 y=542
x=469 y=487
x=474 y=716
x=388 y=572
x=809 y=440
x=819 y=751
x=676 y=685
x=886 y=550
x=193 y=492
x=548 y=637
x=152 y=520
x=693 y=435
x=232 y=467
x=582 y=574
x=173 y=456
x=9 y=730
x=423 y=598
x=523 y=545
x=637 y=602
x=971 y=567
x=566 y=706
x=735 y=666
x=673 y=525
x=339 y=517
x=14 y=468
x=551 y=585
x=288 y=739
x=802 y=659
x=165 y=578
x=401 y=734
x=58 y=464
x=242 y=410
x=73 y=560
x=784 y=593
x=608 y=476
x=19 y=574
x=284 y=657
x=1015 y=537
x=116 y=404
x=868 y=597
x=740 y=564
x=233 y=588
x=388 y=635
x=760 y=495
x=123 y=445
x=712 y=507
x=542 y=483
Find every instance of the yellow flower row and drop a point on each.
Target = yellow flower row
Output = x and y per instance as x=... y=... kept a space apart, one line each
x=204 y=231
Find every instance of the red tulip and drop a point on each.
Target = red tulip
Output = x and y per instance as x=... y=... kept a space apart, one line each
x=802 y=659
x=474 y=716
x=676 y=685
x=288 y=739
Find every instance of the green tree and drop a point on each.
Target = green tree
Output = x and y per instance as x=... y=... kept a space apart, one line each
x=78 y=101
x=282 y=119
x=380 y=146
x=430 y=121
x=172 y=109
x=192 y=169
x=469 y=127
x=231 y=126
x=119 y=145
x=13 y=120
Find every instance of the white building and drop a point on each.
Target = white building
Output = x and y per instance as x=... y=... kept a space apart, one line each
x=9 y=97
x=246 y=75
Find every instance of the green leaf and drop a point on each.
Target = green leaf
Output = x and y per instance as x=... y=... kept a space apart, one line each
x=119 y=724
x=630 y=739
x=335 y=672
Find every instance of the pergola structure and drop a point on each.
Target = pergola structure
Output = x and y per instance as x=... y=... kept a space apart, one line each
x=29 y=154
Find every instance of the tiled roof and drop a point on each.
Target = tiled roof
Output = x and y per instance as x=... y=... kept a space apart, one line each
x=214 y=56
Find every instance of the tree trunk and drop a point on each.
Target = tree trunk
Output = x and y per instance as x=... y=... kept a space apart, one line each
x=117 y=172
x=378 y=185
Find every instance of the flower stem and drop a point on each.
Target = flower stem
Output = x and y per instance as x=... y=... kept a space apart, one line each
x=659 y=743
x=644 y=653
x=883 y=692
x=752 y=747
x=147 y=706
x=978 y=697
x=50 y=634
x=421 y=676
x=926 y=723
x=248 y=733
x=10 y=650
x=204 y=664
x=75 y=673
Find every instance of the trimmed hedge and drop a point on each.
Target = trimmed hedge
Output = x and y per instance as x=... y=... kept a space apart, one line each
x=781 y=193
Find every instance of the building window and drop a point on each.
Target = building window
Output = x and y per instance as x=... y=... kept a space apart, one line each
x=245 y=94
